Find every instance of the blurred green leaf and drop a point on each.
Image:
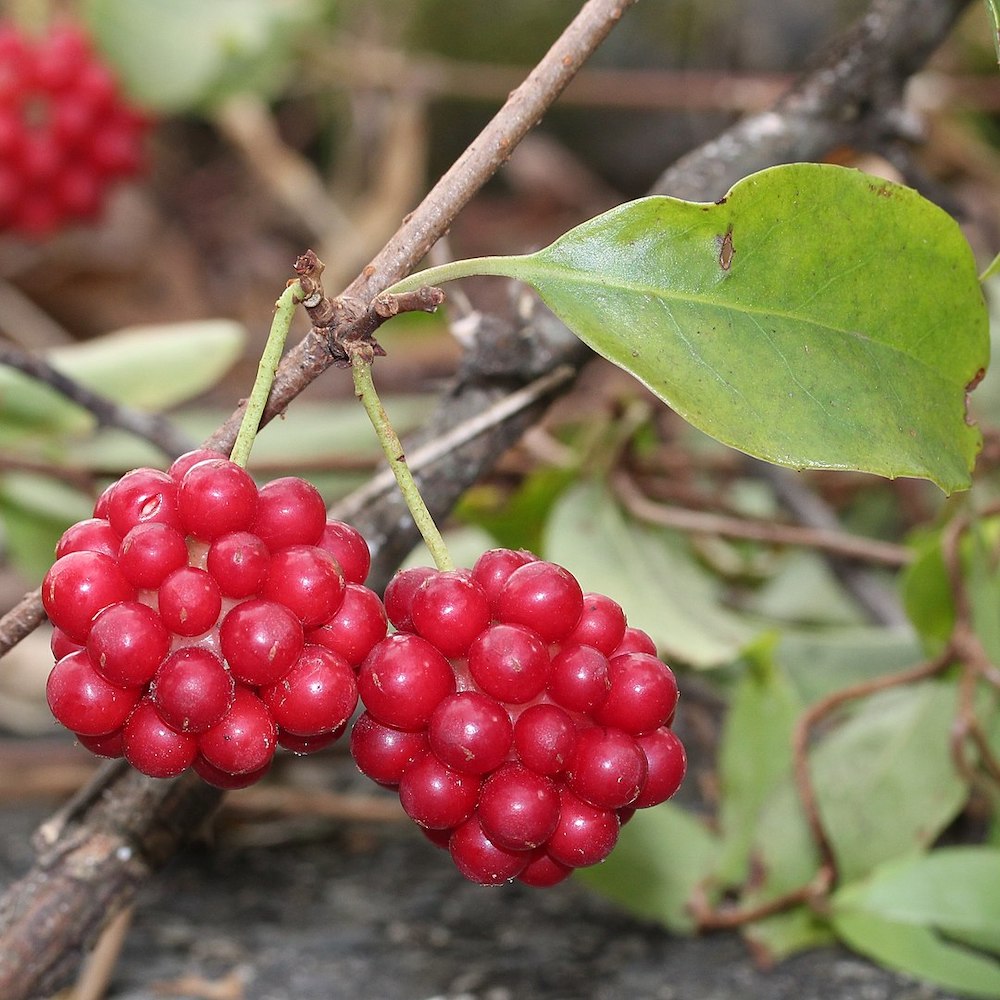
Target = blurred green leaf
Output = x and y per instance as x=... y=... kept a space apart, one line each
x=187 y=53
x=994 y=8
x=651 y=573
x=926 y=592
x=663 y=855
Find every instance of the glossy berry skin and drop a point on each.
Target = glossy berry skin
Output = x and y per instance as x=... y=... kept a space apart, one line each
x=522 y=725
x=164 y=600
x=83 y=701
x=348 y=546
x=66 y=132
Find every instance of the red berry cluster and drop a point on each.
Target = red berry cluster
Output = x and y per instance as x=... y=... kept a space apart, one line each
x=521 y=720
x=201 y=621
x=66 y=132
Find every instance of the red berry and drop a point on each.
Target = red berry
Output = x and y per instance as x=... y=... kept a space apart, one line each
x=189 y=601
x=642 y=696
x=518 y=808
x=608 y=768
x=213 y=775
x=317 y=695
x=542 y=596
x=545 y=739
x=92 y=535
x=584 y=835
x=127 y=643
x=181 y=465
x=302 y=745
x=79 y=585
x=238 y=563
x=403 y=680
x=152 y=747
x=635 y=641
x=509 y=662
x=493 y=568
x=109 y=745
x=62 y=645
x=150 y=552
x=579 y=679
x=601 y=625
x=143 y=496
x=244 y=739
x=260 y=641
x=667 y=764
x=192 y=690
x=450 y=610
x=542 y=871
x=83 y=701
x=290 y=511
x=435 y=796
x=348 y=546
x=216 y=497
x=307 y=580
x=382 y=752
x=470 y=732
x=399 y=595
x=479 y=859
x=355 y=628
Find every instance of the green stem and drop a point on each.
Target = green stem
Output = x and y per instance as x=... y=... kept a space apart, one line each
x=364 y=387
x=284 y=310
x=499 y=266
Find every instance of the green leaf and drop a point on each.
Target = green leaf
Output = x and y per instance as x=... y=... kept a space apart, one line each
x=754 y=755
x=994 y=8
x=651 y=573
x=927 y=915
x=885 y=779
x=149 y=367
x=815 y=317
x=662 y=856
x=178 y=55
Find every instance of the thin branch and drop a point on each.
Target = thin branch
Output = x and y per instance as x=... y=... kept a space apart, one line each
x=151 y=427
x=836 y=542
x=21 y=620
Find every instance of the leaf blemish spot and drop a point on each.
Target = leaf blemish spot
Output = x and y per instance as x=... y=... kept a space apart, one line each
x=726 y=249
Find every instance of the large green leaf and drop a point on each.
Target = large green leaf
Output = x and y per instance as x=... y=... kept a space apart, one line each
x=928 y=915
x=816 y=317
x=177 y=55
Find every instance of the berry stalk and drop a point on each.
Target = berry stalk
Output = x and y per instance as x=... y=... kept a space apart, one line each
x=392 y=448
x=284 y=310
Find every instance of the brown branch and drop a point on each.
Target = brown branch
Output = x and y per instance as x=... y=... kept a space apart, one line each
x=151 y=427
x=21 y=620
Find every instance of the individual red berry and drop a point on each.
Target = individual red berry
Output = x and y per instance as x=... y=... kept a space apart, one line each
x=213 y=775
x=544 y=597
x=399 y=593
x=348 y=546
x=150 y=552
x=542 y=871
x=192 y=690
x=238 y=563
x=667 y=764
x=189 y=601
x=79 y=585
x=108 y=745
x=303 y=745
x=143 y=496
x=481 y=860
x=307 y=580
x=585 y=834
x=493 y=568
x=635 y=641
x=244 y=739
x=450 y=610
x=216 y=497
x=579 y=678
x=403 y=680
x=260 y=641
x=290 y=511
x=355 y=628
x=152 y=747
x=608 y=768
x=92 y=535
x=127 y=643
x=518 y=808
x=83 y=701
x=601 y=625
x=383 y=752
x=180 y=466
x=642 y=696
x=509 y=662
x=62 y=645
x=470 y=732
x=319 y=694
x=545 y=739
x=435 y=796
